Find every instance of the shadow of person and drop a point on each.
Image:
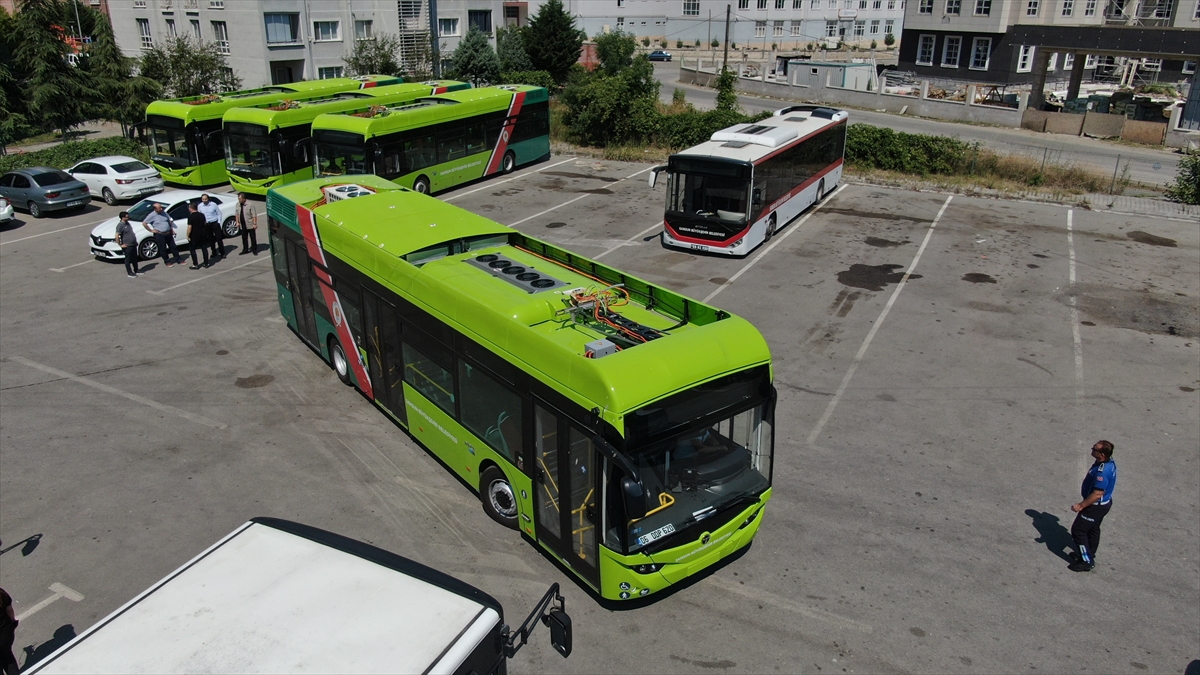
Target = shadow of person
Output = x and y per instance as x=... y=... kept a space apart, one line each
x=1193 y=668
x=62 y=636
x=1056 y=537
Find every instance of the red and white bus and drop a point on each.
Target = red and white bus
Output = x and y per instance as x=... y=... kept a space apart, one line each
x=734 y=191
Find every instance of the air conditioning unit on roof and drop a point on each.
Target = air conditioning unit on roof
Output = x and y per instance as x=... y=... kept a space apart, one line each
x=337 y=193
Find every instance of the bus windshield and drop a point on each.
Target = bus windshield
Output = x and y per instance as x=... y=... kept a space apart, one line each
x=340 y=154
x=248 y=151
x=169 y=146
x=721 y=199
x=695 y=471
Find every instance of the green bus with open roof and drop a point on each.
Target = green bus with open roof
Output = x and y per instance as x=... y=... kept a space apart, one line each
x=624 y=428
x=269 y=144
x=184 y=134
x=441 y=141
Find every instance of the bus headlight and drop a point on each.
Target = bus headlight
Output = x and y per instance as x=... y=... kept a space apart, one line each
x=646 y=569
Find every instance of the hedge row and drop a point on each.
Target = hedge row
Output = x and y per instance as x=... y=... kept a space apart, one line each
x=882 y=148
x=67 y=154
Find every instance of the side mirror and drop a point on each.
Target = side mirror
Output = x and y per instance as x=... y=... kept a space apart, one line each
x=654 y=174
x=634 y=497
x=757 y=195
x=560 y=631
x=300 y=149
x=207 y=139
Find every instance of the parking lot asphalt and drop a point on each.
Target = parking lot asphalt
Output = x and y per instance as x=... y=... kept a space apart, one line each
x=931 y=434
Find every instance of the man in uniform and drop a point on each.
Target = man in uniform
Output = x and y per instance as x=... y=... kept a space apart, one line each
x=1097 y=493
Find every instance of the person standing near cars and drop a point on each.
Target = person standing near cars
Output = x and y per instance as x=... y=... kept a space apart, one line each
x=8 y=634
x=1097 y=493
x=160 y=224
x=198 y=233
x=247 y=220
x=128 y=242
x=212 y=216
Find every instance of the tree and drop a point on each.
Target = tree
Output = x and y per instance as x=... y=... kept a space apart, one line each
x=889 y=40
x=474 y=60
x=715 y=43
x=552 y=41
x=380 y=56
x=510 y=49
x=12 y=119
x=186 y=67
x=726 y=91
x=56 y=92
x=123 y=97
x=1186 y=186
x=604 y=109
x=615 y=51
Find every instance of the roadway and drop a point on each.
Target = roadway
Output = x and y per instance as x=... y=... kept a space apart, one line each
x=1146 y=165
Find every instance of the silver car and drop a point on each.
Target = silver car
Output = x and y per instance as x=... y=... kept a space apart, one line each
x=41 y=189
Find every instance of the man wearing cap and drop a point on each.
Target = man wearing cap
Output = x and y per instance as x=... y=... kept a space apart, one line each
x=1097 y=493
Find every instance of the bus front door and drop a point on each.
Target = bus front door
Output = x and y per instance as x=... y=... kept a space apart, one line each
x=383 y=354
x=566 y=492
x=301 y=282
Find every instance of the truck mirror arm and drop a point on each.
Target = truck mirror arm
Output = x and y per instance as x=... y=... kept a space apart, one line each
x=554 y=616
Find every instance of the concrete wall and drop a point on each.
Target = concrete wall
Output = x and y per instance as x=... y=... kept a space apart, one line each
x=956 y=111
x=1150 y=133
x=1035 y=120
x=1064 y=123
x=1102 y=125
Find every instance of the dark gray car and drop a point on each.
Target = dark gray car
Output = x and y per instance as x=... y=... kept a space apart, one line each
x=41 y=189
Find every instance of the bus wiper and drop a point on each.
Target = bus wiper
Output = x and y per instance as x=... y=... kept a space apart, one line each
x=745 y=497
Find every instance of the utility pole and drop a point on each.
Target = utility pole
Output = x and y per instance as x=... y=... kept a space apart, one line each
x=725 y=59
x=78 y=26
x=708 y=45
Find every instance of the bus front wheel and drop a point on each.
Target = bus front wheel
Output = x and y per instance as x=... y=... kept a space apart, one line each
x=508 y=163
x=770 y=229
x=498 y=499
x=820 y=192
x=341 y=365
x=421 y=184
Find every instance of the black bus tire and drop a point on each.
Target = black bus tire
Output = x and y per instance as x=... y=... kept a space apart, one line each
x=820 y=192
x=421 y=184
x=770 y=229
x=499 y=500
x=508 y=163
x=337 y=359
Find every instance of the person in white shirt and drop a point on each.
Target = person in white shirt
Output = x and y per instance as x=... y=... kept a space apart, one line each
x=212 y=216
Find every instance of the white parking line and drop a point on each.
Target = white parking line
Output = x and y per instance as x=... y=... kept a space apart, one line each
x=35 y=236
x=59 y=591
x=64 y=269
x=113 y=390
x=206 y=276
x=862 y=351
x=1074 y=309
x=632 y=241
x=789 y=230
x=501 y=182
x=572 y=201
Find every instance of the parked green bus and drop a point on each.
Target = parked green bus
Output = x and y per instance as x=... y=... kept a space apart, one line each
x=184 y=134
x=624 y=428
x=268 y=145
x=439 y=141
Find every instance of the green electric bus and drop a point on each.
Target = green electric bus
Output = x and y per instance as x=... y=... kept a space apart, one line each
x=624 y=428
x=184 y=134
x=268 y=145
x=439 y=141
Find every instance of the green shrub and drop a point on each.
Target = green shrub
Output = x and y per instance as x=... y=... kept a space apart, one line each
x=536 y=78
x=1186 y=186
x=883 y=148
x=66 y=154
x=692 y=127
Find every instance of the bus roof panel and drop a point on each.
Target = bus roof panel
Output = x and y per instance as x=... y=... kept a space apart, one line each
x=754 y=141
x=196 y=108
x=463 y=103
x=305 y=110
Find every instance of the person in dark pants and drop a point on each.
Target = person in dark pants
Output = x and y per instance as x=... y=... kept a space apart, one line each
x=160 y=225
x=212 y=216
x=8 y=634
x=247 y=220
x=128 y=242
x=1097 y=493
x=198 y=233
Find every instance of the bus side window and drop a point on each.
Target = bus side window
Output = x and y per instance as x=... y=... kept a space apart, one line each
x=491 y=410
x=427 y=368
x=390 y=162
x=420 y=152
x=348 y=298
x=451 y=146
x=475 y=139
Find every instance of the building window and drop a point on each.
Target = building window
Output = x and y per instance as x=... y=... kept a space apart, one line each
x=830 y=29
x=779 y=4
x=1189 y=67
x=171 y=28
x=761 y=4
x=743 y=4
x=891 y=4
x=144 y=31
x=196 y=28
x=954 y=7
x=1031 y=7
x=1152 y=65
x=139 y=4
x=797 y=4
x=1195 y=14
x=860 y=28
x=1089 y=8
x=849 y=4
x=1068 y=7
x=1052 y=64
x=1025 y=59
x=796 y=29
x=983 y=7
x=620 y=22
x=1068 y=60
x=221 y=35
x=862 y=4
x=327 y=31
x=363 y=30
x=330 y=72
x=620 y=3
x=981 y=53
x=926 y=7
x=875 y=27
x=409 y=9
x=480 y=19
x=814 y=4
x=448 y=27
x=691 y=7
x=777 y=29
x=282 y=28
x=877 y=4
x=216 y=4
x=760 y=29
x=950 y=51
x=1163 y=9
x=1089 y=62
x=925 y=50
x=888 y=27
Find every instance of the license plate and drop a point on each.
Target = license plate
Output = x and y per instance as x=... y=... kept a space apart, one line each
x=698 y=247
x=147 y=189
x=75 y=202
x=656 y=535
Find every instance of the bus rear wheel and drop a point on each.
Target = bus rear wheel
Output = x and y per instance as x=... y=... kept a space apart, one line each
x=497 y=496
x=508 y=163
x=421 y=184
x=820 y=192
x=770 y=229
x=341 y=365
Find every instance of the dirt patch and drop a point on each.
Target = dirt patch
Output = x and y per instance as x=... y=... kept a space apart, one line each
x=584 y=176
x=254 y=381
x=978 y=278
x=989 y=307
x=222 y=352
x=598 y=191
x=555 y=226
x=1153 y=240
x=1032 y=266
x=872 y=277
x=1140 y=310
x=883 y=243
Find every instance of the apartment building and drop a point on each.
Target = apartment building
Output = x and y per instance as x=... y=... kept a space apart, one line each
x=1020 y=41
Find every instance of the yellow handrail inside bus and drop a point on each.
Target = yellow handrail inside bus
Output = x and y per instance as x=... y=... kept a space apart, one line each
x=664 y=500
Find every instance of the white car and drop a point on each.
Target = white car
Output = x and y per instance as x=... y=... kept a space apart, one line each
x=175 y=205
x=6 y=210
x=116 y=177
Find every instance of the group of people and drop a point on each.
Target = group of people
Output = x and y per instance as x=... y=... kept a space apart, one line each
x=204 y=233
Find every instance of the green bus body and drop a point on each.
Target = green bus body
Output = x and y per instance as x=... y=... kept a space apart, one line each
x=439 y=141
x=267 y=147
x=184 y=134
x=490 y=377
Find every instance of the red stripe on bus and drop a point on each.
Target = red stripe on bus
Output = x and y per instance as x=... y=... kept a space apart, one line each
x=514 y=109
x=368 y=85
